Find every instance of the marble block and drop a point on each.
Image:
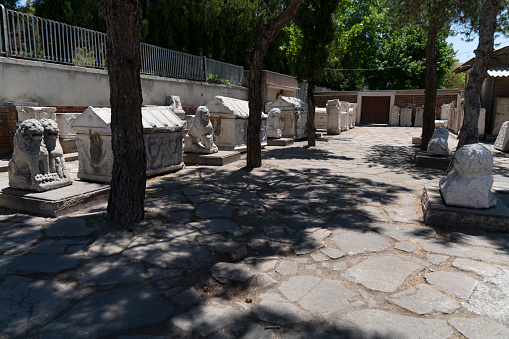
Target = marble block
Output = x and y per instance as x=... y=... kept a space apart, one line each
x=405 y=117
x=333 y=118
x=445 y=112
x=64 y=122
x=37 y=113
x=441 y=123
x=394 y=116
x=469 y=183
x=174 y=103
x=351 y=118
x=353 y=106
x=419 y=113
x=438 y=144
x=502 y=142
x=320 y=118
x=199 y=138
x=272 y=121
x=343 y=120
x=293 y=116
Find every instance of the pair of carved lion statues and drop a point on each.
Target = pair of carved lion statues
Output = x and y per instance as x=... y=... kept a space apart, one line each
x=37 y=162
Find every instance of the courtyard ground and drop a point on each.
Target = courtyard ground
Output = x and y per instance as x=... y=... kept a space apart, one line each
x=320 y=242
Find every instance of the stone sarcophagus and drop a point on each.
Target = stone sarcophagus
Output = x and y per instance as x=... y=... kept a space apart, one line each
x=293 y=116
x=229 y=120
x=35 y=112
x=67 y=134
x=162 y=133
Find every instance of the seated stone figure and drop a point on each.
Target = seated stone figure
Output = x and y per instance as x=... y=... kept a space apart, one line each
x=31 y=166
x=438 y=144
x=272 y=120
x=469 y=183
x=199 y=139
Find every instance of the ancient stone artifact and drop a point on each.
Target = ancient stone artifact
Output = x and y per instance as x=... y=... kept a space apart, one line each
x=37 y=162
x=445 y=112
x=293 y=116
x=502 y=142
x=333 y=118
x=405 y=117
x=199 y=138
x=438 y=144
x=272 y=121
x=34 y=112
x=229 y=119
x=394 y=116
x=419 y=114
x=469 y=183
x=352 y=114
x=67 y=135
x=162 y=134
x=173 y=101
x=320 y=118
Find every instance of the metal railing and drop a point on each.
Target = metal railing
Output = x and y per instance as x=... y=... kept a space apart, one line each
x=30 y=37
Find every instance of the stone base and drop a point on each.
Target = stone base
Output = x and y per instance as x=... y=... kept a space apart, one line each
x=437 y=213
x=438 y=162
x=416 y=140
x=216 y=159
x=280 y=142
x=80 y=195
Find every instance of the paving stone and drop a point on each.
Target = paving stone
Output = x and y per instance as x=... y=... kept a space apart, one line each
x=358 y=242
x=265 y=265
x=344 y=222
x=374 y=213
x=226 y=272
x=318 y=256
x=257 y=331
x=109 y=244
x=382 y=273
x=109 y=271
x=144 y=337
x=275 y=310
x=307 y=246
x=371 y=323
x=59 y=246
x=482 y=239
x=263 y=279
x=287 y=268
x=326 y=298
x=333 y=253
x=403 y=232
x=109 y=312
x=456 y=250
x=18 y=240
x=214 y=209
x=68 y=227
x=30 y=263
x=320 y=234
x=453 y=283
x=301 y=220
x=491 y=297
x=211 y=240
x=206 y=319
x=215 y=226
x=479 y=328
x=424 y=299
x=164 y=278
x=26 y=220
x=339 y=266
x=476 y=267
x=167 y=254
x=436 y=259
x=188 y=297
x=405 y=246
x=297 y=287
x=403 y=213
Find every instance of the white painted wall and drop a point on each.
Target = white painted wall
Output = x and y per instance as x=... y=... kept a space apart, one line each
x=61 y=85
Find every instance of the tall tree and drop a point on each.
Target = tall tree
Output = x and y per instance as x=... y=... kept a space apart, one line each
x=127 y=192
x=316 y=25
x=469 y=133
x=257 y=61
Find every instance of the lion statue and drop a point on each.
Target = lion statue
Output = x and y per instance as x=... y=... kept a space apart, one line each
x=31 y=167
x=199 y=138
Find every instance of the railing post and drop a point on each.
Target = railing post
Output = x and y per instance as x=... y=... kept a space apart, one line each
x=3 y=37
x=205 y=71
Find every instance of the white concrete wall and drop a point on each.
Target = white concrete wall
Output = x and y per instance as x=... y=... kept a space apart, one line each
x=61 y=85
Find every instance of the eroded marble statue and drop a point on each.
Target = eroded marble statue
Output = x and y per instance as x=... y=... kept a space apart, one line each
x=37 y=162
x=199 y=139
x=272 y=121
x=469 y=183
x=438 y=144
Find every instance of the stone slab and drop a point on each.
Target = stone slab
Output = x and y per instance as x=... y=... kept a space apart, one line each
x=427 y=161
x=479 y=328
x=424 y=299
x=437 y=213
x=280 y=142
x=457 y=284
x=55 y=203
x=479 y=268
x=216 y=159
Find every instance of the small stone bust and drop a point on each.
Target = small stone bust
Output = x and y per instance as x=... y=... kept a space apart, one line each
x=469 y=183
x=199 y=139
x=438 y=144
x=272 y=121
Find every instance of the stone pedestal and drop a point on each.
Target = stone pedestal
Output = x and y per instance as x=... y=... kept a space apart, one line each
x=280 y=142
x=293 y=116
x=216 y=159
x=320 y=118
x=333 y=118
x=419 y=112
x=405 y=117
x=502 y=142
x=394 y=116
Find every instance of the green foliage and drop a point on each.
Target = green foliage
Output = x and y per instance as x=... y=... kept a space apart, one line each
x=74 y=12
x=11 y=4
x=214 y=78
x=452 y=80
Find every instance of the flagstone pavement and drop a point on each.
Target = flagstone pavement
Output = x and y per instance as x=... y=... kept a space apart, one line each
x=324 y=242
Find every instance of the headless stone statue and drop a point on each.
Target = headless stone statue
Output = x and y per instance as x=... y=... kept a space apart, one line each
x=272 y=121
x=199 y=139
x=438 y=144
x=469 y=183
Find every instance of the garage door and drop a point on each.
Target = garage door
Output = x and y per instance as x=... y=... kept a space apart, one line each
x=375 y=110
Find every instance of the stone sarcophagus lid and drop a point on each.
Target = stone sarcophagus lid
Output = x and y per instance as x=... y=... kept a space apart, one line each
x=229 y=120
x=293 y=116
x=37 y=113
x=162 y=133
x=320 y=118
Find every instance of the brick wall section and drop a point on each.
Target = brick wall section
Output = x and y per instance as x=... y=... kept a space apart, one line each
x=70 y=109
x=8 y=119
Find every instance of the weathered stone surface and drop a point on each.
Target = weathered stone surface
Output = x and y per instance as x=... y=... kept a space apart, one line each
x=214 y=209
x=263 y=279
x=274 y=309
x=16 y=240
x=199 y=139
x=333 y=117
x=333 y=253
x=318 y=256
x=469 y=183
x=436 y=259
x=405 y=246
x=419 y=113
x=423 y=299
x=320 y=234
x=394 y=116
x=287 y=268
x=297 y=287
x=438 y=145
x=403 y=232
x=227 y=272
x=68 y=227
x=206 y=319
x=109 y=244
x=476 y=267
x=164 y=278
x=59 y=246
x=491 y=297
x=403 y=213
x=215 y=226
x=142 y=307
x=109 y=271
x=382 y=273
x=358 y=241
x=482 y=239
x=453 y=283
x=502 y=142
x=306 y=246
x=272 y=122
x=326 y=298
x=188 y=297
x=373 y=323
x=257 y=331
x=479 y=328
x=405 y=117
x=30 y=263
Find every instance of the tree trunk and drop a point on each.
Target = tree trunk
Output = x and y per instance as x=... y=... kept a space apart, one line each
x=469 y=132
x=430 y=93
x=269 y=32
x=310 y=122
x=127 y=193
